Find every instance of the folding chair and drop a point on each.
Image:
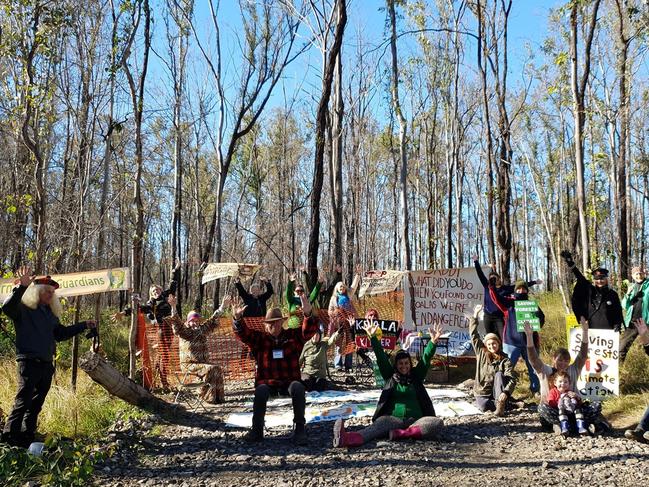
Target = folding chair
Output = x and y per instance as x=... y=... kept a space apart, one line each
x=188 y=391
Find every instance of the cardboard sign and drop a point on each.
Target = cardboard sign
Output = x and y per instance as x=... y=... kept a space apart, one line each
x=389 y=333
x=444 y=296
x=82 y=283
x=220 y=270
x=600 y=376
x=526 y=311
x=379 y=282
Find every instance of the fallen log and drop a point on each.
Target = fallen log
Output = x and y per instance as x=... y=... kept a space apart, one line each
x=118 y=385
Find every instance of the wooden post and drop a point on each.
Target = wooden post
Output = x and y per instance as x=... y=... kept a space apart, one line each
x=75 y=345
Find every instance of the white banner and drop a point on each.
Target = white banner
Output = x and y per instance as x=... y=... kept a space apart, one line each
x=444 y=296
x=81 y=283
x=600 y=376
x=379 y=282
x=219 y=270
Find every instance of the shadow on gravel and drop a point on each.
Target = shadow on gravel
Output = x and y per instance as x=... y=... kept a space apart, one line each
x=246 y=464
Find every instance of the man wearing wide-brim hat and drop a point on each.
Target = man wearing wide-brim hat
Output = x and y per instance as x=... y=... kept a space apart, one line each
x=597 y=303
x=35 y=311
x=277 y=352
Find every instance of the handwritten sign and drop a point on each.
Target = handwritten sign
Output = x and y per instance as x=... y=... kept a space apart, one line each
x=389 y=332
x=444 y=296
x=600 y=376
x=526 y=311
x=220 y=270
x=379 y=282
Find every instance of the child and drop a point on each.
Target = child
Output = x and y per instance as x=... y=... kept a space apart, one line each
x=568 y=402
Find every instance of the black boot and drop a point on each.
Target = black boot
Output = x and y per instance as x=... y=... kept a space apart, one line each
x=19 y=440
x=299 y=435
x=256 y=433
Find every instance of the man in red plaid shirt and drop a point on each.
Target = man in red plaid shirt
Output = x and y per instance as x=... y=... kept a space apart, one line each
x=277 y=353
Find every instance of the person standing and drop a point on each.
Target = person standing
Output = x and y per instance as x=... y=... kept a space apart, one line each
x=34 y=309
x=254 y=298
x=597 y=303
x=636 y=306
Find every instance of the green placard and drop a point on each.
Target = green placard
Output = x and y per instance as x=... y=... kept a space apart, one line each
x=526 y=311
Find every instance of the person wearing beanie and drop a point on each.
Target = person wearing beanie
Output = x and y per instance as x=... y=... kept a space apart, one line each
x=636 y=305
x=514 y=341
x=492 y=317
x=277 y=373
x=34 y=309
x=195 y=357
x=494 y=374
x=597 y=303
x=404 y=410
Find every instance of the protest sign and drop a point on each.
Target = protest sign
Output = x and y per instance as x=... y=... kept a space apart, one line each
x=219 y=270
x=82 y=283
x=444 y=296
x=389 y=333
x=526 y=311
x=600 y=376
x=379 y=282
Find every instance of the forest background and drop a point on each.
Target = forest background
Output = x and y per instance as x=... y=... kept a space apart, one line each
x=401 y=134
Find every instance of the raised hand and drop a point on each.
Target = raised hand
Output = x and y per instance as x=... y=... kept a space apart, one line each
x=584 y=324
x=238 y=308
x=641 y=326
x=225 y=302
x=24 y=275
x=177 y=266
x=292 y=277
x=172 y=300
x=117 y=317
x=528 y=328
x=370 y=327
x=476 y=310
x=475 y=257
x=306 y=304
x=539 y=281
x=435 y=332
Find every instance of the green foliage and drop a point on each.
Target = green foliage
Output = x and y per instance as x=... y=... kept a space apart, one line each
x=64 y=463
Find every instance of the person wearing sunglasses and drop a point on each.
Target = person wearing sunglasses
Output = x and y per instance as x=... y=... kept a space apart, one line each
x=596 y=302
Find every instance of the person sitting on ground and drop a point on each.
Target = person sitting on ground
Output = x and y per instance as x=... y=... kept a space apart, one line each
x=254 y=299
x=636 y=305
x=641 y=432
x=597 y=303
x=293 y=293
x=494 y=374
x=194 y=353
x=513 y=342
x=313 y=361
x=276 y=352
x=340 y=310
x=405 y=409
x=493 y=318
x=568 y=403
x=549 y=415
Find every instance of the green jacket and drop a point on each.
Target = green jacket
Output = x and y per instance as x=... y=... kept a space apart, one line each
x=313 y=358
x=293 y=303
x=627 y=305
x=485 y=368
x=404 y=401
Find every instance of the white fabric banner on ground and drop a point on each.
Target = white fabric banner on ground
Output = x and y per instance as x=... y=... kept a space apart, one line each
x=82 y=283
x=219 y=270
x=444 y=296
x=449 y=403
x=379 y=282
x=600 y=377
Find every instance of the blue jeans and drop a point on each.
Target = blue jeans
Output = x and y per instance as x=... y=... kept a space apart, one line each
x=348 y=360
x=514 y=353
x=644 y=421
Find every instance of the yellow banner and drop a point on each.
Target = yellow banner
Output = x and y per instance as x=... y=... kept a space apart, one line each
x=81 y=283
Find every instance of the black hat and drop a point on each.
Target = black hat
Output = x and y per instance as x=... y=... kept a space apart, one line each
x=600 y=272
x=47 y=281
